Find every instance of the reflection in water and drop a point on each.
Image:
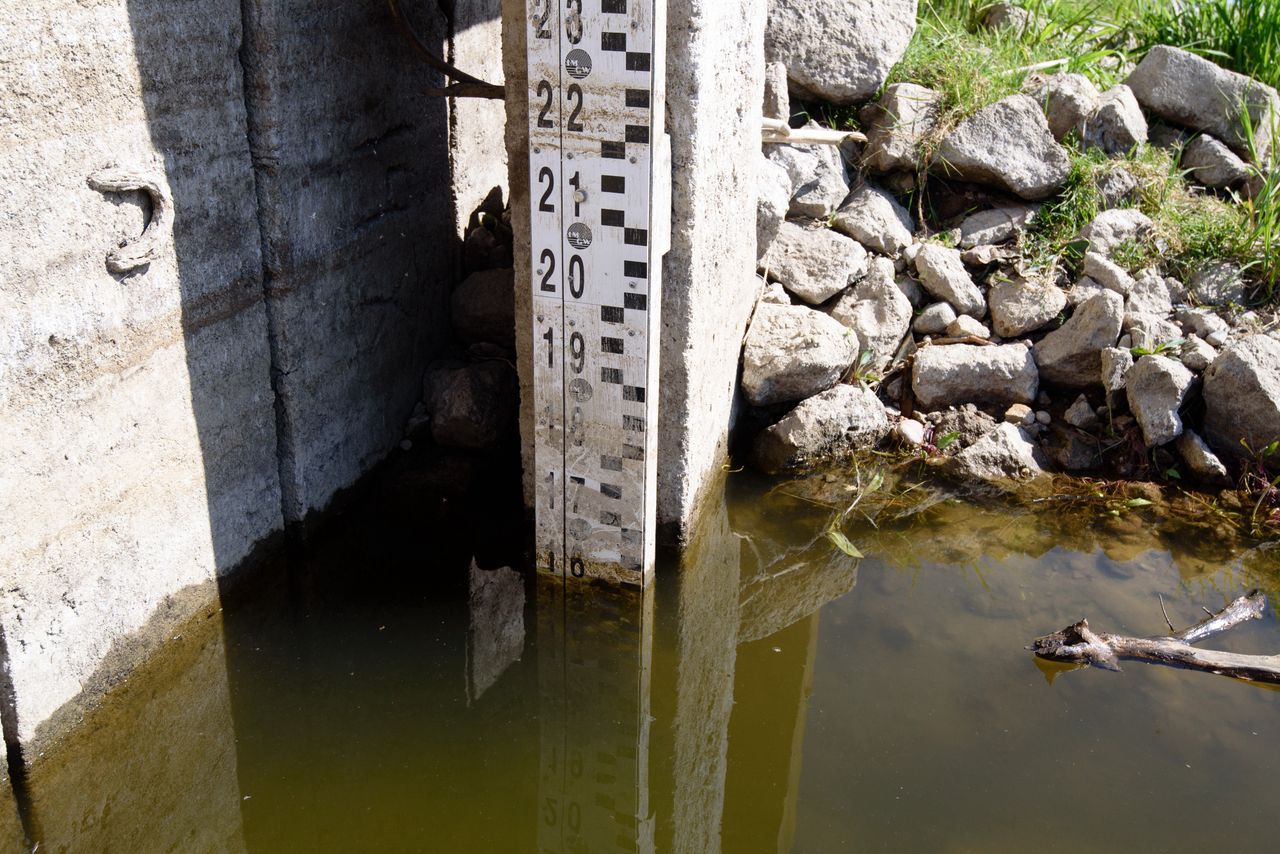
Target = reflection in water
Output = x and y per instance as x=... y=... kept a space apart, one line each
x=397 y=691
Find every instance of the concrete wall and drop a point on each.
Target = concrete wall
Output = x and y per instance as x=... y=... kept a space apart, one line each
x=155 y=426
x=715 y=86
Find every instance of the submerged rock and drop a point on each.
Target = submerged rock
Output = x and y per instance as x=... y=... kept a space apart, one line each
x=1006 y=454
x=471 y=405
x=839 y=51
x=1006 y=145
x=793 y=352
x=846 y=416
x=966 y=373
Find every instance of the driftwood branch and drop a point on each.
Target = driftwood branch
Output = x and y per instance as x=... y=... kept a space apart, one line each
x=464 y=85
x=776 y=131
x=1079 y=644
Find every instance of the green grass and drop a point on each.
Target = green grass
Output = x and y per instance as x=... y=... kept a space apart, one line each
x=1243 y=35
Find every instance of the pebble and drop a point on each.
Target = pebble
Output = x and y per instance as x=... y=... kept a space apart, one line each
x=1020 y=414
x=1043 y=417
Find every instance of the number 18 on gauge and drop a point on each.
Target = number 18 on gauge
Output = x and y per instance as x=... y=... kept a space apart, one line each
x=599 y=180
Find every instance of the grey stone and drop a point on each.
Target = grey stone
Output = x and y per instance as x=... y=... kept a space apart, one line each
x=998 y=225
x=966 y=373
x=1167 y=137
x=1010 y=17
x=1149 y=295
x=1117 y=126
x=1006 y=454
x=897 y=125
x=472 y=406
x=1068 y=100
x=793 y=352
x=813 y=262
x=1202 y=321
x=819 y=181
x=1189 y=90
x=934 y=320
x=943 y=274
x=1116 y=188
x=1204 y=465
x=1020 y=414
x=771 y=208
x=777 y=100
x=1043 y=417
x=495 y=639
x=1242 y=396
x=1006 y=145
x=1080 y=414
x=775 y=294
x=846 y=416
x=1213 y=164
x=1157 y=387
x=1022 y=306
x=877 y=311
x=964 y=426
x=909 y=432
x=1112 y=228
x=983 y=256
x=484 y=307
x=1070 y=355
x=1107 y=273
x=1218 y=283
x=839 y=51
x=875 y=219
x=966 y=326
x=1150 y=331
x=1197 y=354
x=1116 y=362
x=1071 y=450
x=911 y=290
x=1084 y=290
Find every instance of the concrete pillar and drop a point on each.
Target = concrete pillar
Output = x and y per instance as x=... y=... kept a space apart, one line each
x=477 y=150
x=715 y=73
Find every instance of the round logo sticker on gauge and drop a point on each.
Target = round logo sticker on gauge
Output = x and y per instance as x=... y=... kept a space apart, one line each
x=578 y=63
x=579 y=235
x=580 y=390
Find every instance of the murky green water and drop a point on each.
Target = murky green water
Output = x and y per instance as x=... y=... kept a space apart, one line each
x=388 y=694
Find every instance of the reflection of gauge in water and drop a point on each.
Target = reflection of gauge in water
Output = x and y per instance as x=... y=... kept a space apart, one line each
x=581 y=390
x=579 y=528
x=579 y=235
x=578 y=63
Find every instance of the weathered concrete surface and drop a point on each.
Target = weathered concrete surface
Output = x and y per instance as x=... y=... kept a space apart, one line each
x=137 y=438
x=477 y=157
x=351 y=165
x=715 y=83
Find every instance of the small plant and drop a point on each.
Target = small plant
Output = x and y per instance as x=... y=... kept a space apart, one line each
x=1257 y=481
x=834 y=532
x=1159 y=349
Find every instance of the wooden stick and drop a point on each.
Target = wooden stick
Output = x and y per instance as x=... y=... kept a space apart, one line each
x=776 y=131
x=1079 y=644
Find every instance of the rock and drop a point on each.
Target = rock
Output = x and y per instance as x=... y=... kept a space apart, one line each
x=846 y=416
x=1149 y=295
x=1107 y=273
x=911 y=290
x=1218 y=283
x=998 y=225
x=982 y=256
x=1116 y=362
x=1157 y=387
x=1204 y=465
x=1201 y=321
x=1116 y=188
x=962 y=427
x=965 y=326
x=1213 y=164
x=1150 y=331
x=1005 y=454
x=1007 y=16
x=934 y=320
x=909 y=432
x=943 y=275
x=1022 y=306
x=1043 y=417
x=1177 y=290
x=1070 y=355
x=1242 y=396
x=1006 y=145
x=875 y=219
x=1020 y=414
x=775 y=294
x=1167 y=137
x=777 y=100
x=793 y=352
x=471 y=405
x=1117 y=126
x=877 y=311
x=771 y=209
x=814 y=262
x=1068 y=101
x=838 y=51
x=818 y=178
x=484 y=307
x=1112 y=228
x=1071 y=450
x=896 y=126
x=1084 y=290
x=1191 y=91
x=1080 y=414
x=966 y=373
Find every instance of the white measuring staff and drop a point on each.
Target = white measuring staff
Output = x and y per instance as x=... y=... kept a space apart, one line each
x=599 y=181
